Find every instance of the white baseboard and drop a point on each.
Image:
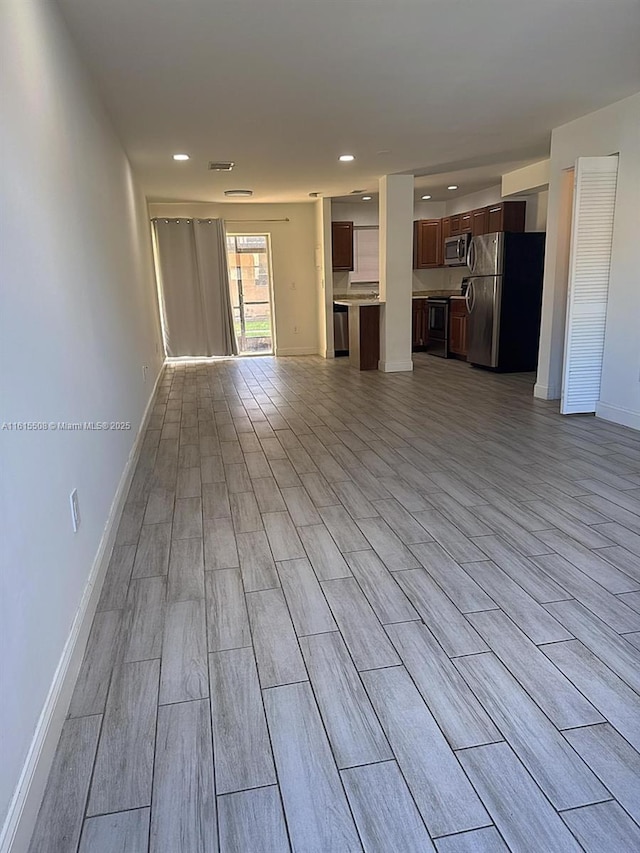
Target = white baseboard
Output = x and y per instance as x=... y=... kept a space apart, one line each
x=546 y=392
x=296 y=351
x=618 y=415
x=25 y=804
x=395 y=366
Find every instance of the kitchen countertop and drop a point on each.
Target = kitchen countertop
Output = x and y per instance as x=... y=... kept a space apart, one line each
x=437 y=294
x=358 y=301
x=348 y=299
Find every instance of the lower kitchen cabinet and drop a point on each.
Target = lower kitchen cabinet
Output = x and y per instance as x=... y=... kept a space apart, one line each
x=419 y=325
x=458 y=327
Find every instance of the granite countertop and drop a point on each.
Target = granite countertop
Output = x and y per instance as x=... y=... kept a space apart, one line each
x=353 y=297
x=358 y=300
x=438 y=294
x=348 y=299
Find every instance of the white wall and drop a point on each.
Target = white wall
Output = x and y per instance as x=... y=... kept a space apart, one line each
x=483 y=198
x=358 y=212
x=78 y=321
x=537 y=206
x=614 y=129
x=535 y=176
x=293 y=258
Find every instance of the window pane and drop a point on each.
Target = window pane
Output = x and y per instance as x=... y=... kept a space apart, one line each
x=250 y=293
x=365 y=255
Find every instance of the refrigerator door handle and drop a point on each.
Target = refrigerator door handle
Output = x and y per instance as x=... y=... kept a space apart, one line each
x=471 y=256
x=469 y=297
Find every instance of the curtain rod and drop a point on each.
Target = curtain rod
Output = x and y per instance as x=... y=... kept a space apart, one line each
x=207 y=218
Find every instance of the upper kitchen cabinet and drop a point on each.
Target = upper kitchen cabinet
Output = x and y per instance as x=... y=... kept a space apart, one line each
x=342 y=246
x=446 y=232
x=427 y=243
x=466 y=222
x=505 y=216
x=455 y=224
x=480 y=221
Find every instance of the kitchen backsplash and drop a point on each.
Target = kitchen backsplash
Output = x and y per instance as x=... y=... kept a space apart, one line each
x=436 y=279
x=439 y=279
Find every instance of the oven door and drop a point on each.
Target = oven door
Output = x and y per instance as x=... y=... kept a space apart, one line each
x=455 y=250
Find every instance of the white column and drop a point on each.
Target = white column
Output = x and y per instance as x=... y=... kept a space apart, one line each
x=324 y=278
x=396 y=263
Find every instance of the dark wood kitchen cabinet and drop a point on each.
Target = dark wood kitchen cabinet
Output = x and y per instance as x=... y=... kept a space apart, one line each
x=480 y=221
x=427 y=243
x=458 y=327
x=455 y=224
x=466 y=222
x=419 y=324
x=364 y=336
x=506 y=216
x=446 y=232
x=342 y=246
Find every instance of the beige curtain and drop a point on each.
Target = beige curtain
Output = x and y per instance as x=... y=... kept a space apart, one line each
x=193 y=278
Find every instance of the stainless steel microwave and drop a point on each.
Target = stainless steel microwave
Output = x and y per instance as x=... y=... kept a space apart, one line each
x=455 y=250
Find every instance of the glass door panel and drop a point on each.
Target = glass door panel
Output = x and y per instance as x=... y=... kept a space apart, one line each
x=250 y=286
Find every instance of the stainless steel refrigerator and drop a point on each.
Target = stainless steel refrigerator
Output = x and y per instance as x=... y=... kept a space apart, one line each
x=504 y=300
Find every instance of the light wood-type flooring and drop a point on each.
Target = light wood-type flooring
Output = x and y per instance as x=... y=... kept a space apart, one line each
x=354 y=611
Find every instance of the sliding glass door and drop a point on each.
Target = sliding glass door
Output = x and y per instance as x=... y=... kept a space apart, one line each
x=250 y=283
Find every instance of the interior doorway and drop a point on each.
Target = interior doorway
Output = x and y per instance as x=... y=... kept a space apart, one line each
x=249 y=258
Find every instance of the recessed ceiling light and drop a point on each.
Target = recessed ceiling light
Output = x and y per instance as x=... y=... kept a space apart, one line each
x=239 y=193
x=346 y=158
x=426 y=197
x=453 y=187
x=180 y=156
x=366 y=198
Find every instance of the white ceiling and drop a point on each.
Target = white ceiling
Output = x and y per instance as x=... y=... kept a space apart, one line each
x=452 y=90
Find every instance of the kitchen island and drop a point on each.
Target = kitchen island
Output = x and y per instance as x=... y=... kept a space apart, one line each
x=364 y=332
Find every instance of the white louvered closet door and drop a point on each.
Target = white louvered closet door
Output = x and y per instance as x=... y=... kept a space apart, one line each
x=590 y=259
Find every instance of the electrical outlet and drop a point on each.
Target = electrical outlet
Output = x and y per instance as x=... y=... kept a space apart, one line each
x=295 y=330
x=293 y=285
x=75 y=510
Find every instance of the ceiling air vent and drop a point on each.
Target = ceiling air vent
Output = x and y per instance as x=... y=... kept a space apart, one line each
x=239 y=193
x=356 y=192
x=221 y=166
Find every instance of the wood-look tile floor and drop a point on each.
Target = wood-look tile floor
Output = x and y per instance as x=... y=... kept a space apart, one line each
x=353 y=611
